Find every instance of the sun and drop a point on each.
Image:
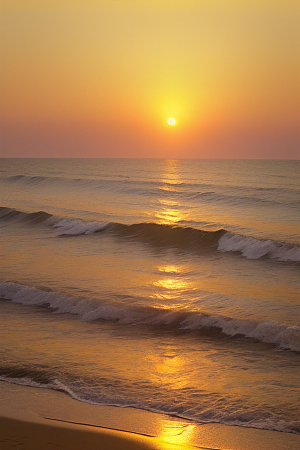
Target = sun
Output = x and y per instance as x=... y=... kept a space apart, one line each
x=171 y=121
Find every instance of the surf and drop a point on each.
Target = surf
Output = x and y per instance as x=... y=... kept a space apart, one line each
x=162 y=235
x=285 y=336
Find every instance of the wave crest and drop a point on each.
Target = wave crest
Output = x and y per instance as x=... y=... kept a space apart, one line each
x=73 y=227
x=285 y=336
x=159 y=235
x=253 y=248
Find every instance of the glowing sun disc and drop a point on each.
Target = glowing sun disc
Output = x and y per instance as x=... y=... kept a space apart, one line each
x=171 y=121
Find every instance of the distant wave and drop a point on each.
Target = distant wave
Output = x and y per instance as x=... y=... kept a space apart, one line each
x=159 y=235
x=126 y=181
x=118 y=184
x=195 y=192
x=12 y=214
x=285 y=336
x=66 y=227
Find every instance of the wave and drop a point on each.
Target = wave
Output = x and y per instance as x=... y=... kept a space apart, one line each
x=118 y=184
x=71 y=227
x=125 y=180
x=286 y=337
x=195 y=192
x=253 y=248
x=211 y=408
x=14 y=215
x=66 y=227
x=160 y=235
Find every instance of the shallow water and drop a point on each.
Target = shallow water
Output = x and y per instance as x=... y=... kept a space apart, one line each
x=171 y=286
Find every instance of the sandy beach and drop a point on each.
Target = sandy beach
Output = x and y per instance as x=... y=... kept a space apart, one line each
x=34 y=418
x=43 y=434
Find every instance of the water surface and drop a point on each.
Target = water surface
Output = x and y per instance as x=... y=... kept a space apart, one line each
x=171 y=286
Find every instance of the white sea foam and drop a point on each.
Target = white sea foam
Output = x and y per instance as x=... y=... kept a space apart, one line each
x=284 y=335
x=207 y=411
x=253 y=248
x=74 y=227
x=55 y=385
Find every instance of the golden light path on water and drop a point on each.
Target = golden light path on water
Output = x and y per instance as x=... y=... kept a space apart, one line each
x=176 y=435
x=173 y=285
x=170 y=369
x=171 y=212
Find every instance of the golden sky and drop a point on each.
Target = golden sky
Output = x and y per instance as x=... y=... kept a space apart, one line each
x=100 y=78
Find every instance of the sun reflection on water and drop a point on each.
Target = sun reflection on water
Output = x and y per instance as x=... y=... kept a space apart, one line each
x=168 y=202
x=171 y=269
x=173 y=285
x=176 y=435
x=170 y=210
x=169 y=216
x=168 y=369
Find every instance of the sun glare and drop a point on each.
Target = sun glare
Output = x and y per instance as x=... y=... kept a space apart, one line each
x=171 y=121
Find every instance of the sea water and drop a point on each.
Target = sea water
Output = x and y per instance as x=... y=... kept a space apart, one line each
x=166 y=285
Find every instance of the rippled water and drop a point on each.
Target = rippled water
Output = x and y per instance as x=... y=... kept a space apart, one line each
x=171 y=286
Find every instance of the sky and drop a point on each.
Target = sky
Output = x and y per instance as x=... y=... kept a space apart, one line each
x=100 y=78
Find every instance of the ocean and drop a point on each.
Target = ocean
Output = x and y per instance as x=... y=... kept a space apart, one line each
x=166 y=285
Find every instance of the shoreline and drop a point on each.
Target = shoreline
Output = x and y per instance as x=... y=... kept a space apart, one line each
x=38 y=418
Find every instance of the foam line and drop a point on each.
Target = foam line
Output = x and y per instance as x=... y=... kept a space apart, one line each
x=284 y=336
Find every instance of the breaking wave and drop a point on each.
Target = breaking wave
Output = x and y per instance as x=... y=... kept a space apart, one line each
x=159 y=235
x=66 y=227
x=284 y=336
x=253 y=248
x=211 y=409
